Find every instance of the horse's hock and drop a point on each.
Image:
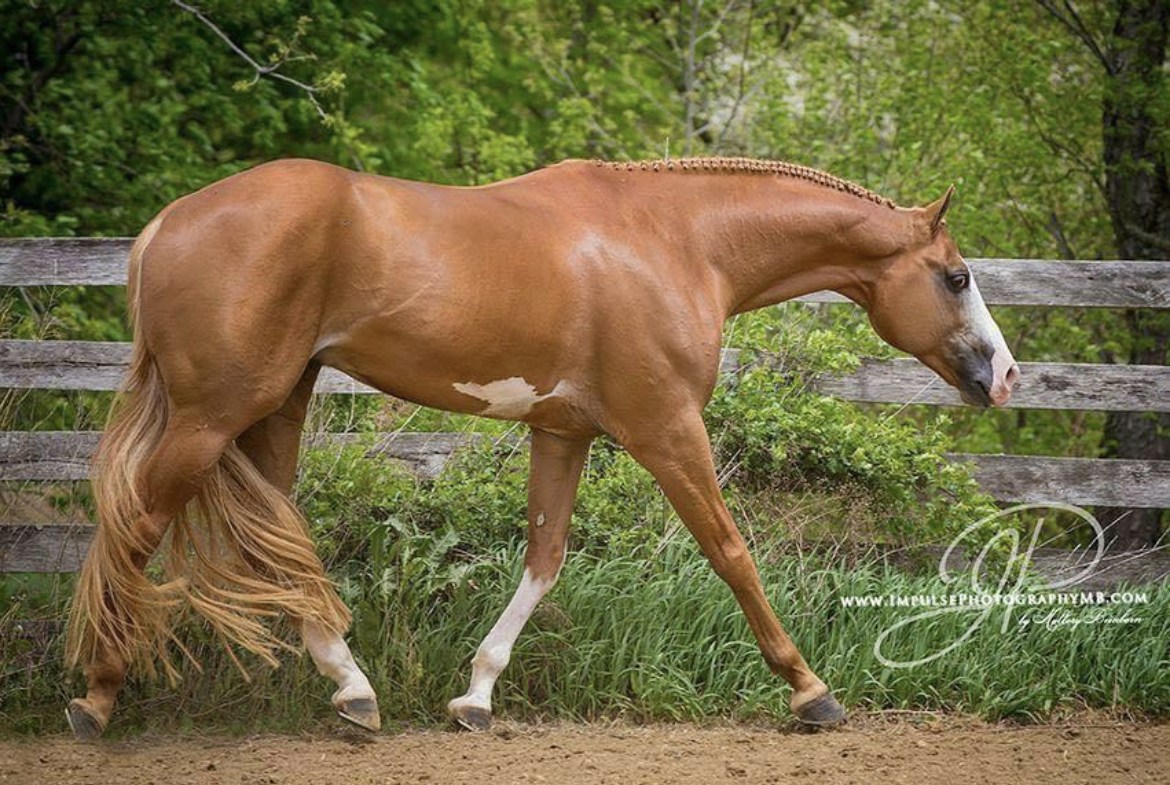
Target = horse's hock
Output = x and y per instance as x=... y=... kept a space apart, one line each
x=54 y=457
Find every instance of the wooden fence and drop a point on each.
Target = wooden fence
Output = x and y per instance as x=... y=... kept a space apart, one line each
x=82 y=365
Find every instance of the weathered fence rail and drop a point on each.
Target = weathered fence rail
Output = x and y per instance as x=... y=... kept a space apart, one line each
x=98 y=366
x=92 y=261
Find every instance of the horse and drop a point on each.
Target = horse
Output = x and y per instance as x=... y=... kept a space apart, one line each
x=583 y=299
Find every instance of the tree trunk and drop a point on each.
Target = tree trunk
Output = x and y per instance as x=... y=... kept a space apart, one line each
x=1138 y=194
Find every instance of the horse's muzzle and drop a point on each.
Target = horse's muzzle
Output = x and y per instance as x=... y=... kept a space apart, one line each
x=987 y=377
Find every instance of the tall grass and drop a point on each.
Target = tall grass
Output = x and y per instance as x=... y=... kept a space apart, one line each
x=647 y=636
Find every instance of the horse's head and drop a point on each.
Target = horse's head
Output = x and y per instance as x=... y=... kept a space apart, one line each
x=925 y=302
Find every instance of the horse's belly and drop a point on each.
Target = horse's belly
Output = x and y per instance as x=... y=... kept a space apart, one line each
x=523 y=384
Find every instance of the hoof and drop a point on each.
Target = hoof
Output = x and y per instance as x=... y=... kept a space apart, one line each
x=86 y=726
x=473 y=718
x=823 y=711
x=362 y=712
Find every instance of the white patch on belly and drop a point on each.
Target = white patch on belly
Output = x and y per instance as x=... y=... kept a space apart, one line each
x=508 y=398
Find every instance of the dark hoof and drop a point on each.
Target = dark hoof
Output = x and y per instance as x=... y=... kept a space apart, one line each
x=362 y=712
x=821 y=712
x=85 y=726
x=473 y=718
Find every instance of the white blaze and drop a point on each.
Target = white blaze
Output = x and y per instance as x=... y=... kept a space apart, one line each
x=1003 y=365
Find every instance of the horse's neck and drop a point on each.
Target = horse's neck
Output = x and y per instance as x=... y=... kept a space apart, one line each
x=775 y=238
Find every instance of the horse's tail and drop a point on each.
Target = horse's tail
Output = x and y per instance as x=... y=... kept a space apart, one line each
x=239 y=553
x=117 y=612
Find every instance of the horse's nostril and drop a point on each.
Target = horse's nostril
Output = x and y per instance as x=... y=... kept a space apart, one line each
x=1013 y=376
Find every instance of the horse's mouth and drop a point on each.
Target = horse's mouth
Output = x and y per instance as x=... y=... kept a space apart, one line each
x=975 y=394
x=988 y=381
x=983 y=378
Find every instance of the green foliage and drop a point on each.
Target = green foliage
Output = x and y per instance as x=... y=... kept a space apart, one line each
x=480 y=500
x=782 y=440
x=120 y=110
x=777 y=436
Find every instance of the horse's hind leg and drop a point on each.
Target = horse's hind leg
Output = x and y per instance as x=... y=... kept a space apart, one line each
x=171 y=477
x=272 y=445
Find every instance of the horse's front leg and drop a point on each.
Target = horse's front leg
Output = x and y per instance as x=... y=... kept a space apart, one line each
x=678 y=454
x=556 y=465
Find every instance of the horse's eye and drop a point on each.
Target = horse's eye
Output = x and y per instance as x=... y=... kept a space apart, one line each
x=958 y=281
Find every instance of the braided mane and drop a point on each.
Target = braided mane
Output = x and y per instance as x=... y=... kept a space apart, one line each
x=751 y=166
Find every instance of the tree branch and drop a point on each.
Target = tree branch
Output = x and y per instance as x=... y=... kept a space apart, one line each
x=21 y=104
x=689 y=78
x=261 y=70
x=741 y=91
x=560 y=75
x=1055 y=228
x=1076 y=157
x=1077 y=27
x=713 y=29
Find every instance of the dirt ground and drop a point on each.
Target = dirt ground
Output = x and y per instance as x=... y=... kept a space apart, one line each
x=869 y=750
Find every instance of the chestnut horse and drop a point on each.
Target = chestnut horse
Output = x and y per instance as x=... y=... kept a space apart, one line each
x=583 y=299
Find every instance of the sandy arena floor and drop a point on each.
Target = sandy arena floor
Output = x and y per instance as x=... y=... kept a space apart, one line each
x=869 y=750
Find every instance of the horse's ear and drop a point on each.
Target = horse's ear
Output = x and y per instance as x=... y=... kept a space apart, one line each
x=936 y=211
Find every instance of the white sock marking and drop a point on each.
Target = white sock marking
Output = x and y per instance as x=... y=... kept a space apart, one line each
x=333 y=659
x=493 y=654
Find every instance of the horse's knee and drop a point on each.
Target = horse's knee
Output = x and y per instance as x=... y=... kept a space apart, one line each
x=731 y=560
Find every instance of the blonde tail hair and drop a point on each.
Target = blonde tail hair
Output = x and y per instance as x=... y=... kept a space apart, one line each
x=239 y=554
